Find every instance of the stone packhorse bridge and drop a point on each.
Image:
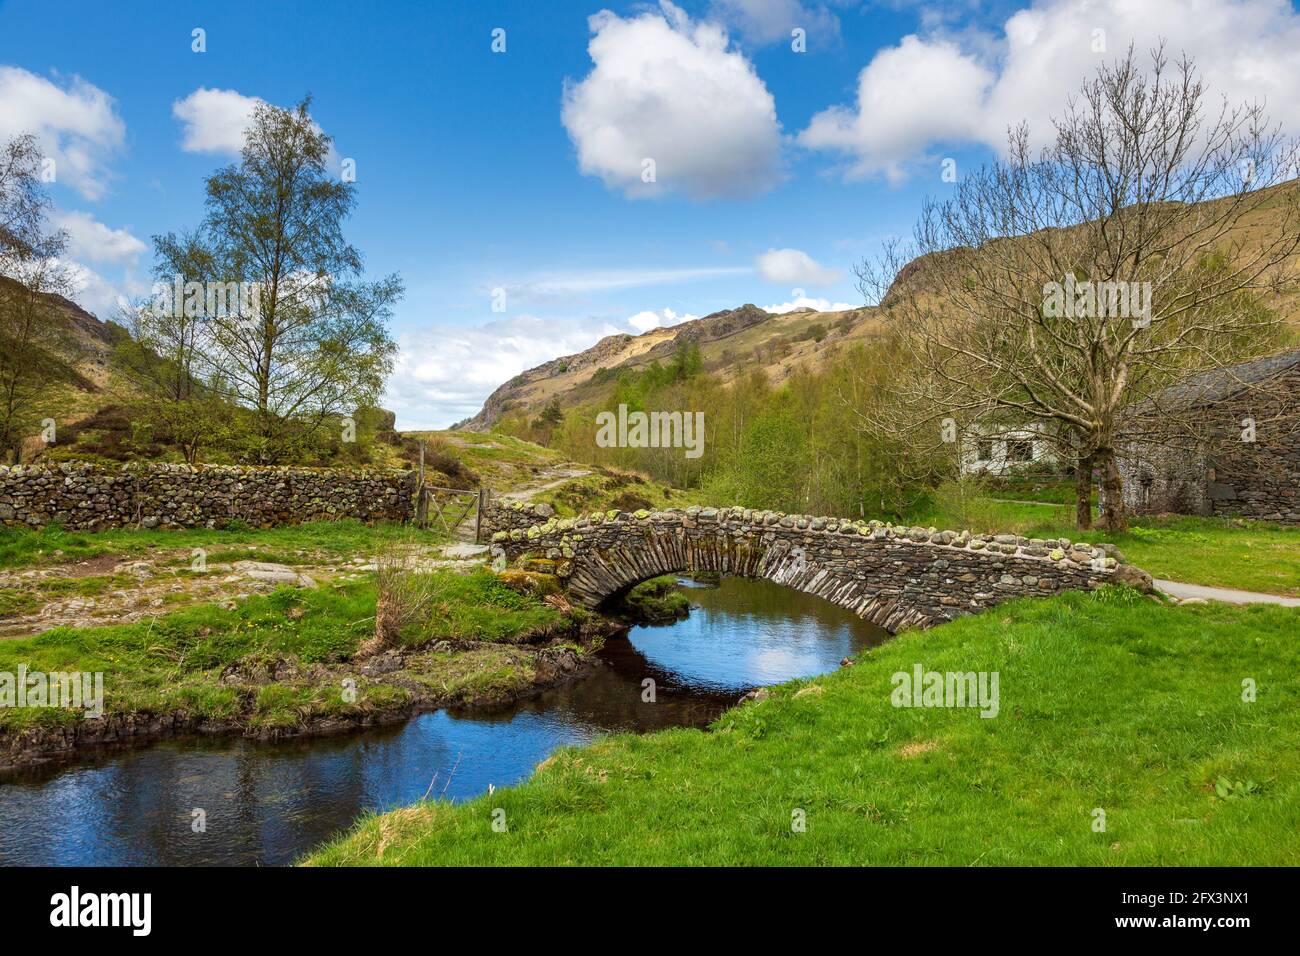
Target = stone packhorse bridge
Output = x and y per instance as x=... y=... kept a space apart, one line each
x=895 y=577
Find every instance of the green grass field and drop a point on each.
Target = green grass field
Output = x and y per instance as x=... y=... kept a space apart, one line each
x=1108 y=702
x=20 y=547
x=1221 y=552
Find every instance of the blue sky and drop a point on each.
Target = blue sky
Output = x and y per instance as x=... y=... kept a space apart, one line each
x=520 y=171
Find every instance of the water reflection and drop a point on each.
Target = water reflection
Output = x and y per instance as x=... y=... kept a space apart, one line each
x=268 y=804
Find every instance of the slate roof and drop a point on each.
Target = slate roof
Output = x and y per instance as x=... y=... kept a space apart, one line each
x=1206 y=388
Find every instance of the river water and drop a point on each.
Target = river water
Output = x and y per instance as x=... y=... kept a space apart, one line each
x=270 y=803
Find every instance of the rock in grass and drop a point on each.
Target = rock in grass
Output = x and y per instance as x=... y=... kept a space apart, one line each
x=273 y=573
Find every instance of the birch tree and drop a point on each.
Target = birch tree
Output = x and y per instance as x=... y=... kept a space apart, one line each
x=32 y=346
x=312 y=342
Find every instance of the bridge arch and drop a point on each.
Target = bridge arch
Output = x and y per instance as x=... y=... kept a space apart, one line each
x=895 y=577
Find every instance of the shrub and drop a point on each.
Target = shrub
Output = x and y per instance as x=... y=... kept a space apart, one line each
x=404 y=596
x=964 y=503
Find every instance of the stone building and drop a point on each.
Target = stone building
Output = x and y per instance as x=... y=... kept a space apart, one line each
x=1004 y=450
x=1248 y=461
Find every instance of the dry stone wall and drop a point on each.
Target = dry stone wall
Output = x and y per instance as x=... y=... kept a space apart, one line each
x=81 y=496
x=896 y=577
x=504 y=515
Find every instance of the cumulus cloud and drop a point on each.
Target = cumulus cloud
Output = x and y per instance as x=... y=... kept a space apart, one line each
x=771 y=21
x=968 y=89
x=803 y=302
x=667 y=89
x=444 y=374
x=89 y=239
x=909 y=96
x=794 y=267
x=664 y=318
x=76 y=125
x=214 y=121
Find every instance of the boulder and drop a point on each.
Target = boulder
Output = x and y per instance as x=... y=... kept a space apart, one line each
x=1133 y=577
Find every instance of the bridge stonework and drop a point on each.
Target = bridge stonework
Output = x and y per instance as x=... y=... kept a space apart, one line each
x=896 y=577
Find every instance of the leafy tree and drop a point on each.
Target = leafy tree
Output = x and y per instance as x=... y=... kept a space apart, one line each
x=553 y=414
x=772 y=464
x=315 y=343
x=32 y=346
x=686 y=362
x=168 y=357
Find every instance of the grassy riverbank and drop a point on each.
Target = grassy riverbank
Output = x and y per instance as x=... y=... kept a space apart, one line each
x=1108 y=702
x=281 y=660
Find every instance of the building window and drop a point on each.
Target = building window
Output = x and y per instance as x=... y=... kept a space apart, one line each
x=1020 y=450
x=984 y=449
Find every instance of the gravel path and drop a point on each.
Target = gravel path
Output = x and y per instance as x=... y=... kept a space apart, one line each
x=1200 y=592
x=560 y=475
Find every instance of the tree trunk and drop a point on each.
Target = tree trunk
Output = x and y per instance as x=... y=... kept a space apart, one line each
x=1083 y=493
x=1114 y=516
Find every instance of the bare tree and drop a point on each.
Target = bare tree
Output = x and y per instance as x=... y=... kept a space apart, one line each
x=1057 y=287
x=24 y=204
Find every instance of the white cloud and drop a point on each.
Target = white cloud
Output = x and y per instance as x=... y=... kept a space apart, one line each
x=664 y=318
x=102 y=296
x=803 y=302
x=444 y=374
x=556 y=287
x=644 y=321
x=909 y=97
x=90 y=239
x=76 y=125
x=771 y=21
x=968 y=89
x=667 y=89
x=214 y=121
x=794 y=267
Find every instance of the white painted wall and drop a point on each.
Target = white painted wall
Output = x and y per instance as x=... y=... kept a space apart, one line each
x=989 y=450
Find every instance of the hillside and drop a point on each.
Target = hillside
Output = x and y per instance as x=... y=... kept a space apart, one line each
x=76 y=348
x=731 y=343
x=98 y=391
x=86 y=342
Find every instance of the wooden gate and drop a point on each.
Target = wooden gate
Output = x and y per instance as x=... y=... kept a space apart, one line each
x=450 y=509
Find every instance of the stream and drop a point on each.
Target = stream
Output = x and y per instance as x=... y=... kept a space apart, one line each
x=268 y=804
